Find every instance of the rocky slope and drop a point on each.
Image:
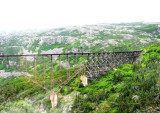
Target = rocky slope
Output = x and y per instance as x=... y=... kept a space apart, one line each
x=89 y=38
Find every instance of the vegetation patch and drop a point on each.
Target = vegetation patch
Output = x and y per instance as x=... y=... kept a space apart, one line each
x=128 y=88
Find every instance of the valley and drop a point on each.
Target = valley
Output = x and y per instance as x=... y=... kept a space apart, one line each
x=127 y=87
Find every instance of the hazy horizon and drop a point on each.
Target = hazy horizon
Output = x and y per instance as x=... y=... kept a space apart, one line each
x=46 y=14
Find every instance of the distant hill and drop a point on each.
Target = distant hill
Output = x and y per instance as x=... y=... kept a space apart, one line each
x=88 y=38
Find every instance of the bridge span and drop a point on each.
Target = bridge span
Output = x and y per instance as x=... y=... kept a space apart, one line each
x=64 y=67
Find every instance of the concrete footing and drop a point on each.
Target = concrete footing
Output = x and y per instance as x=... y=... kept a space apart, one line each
x=84 y=80
x=54 y=99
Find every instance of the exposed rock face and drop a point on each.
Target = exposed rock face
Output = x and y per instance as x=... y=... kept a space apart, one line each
x=84 y=80
x=112 y=41
x=64 y=64
x=7 y=74
x=130 y=37
x=73 y=50
x=54 y=99
x=59 y=39
x=53 y=51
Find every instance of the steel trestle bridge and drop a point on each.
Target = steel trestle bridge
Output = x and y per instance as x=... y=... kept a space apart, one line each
x=54 y=71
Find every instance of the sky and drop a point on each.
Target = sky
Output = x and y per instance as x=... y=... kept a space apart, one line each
x=42 y=14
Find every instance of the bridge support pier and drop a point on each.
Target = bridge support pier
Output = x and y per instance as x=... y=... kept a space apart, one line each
x=84 y=80
x=54 y=99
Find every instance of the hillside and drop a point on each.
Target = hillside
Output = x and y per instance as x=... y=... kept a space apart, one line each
x=88 y=38
x=127 y=88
